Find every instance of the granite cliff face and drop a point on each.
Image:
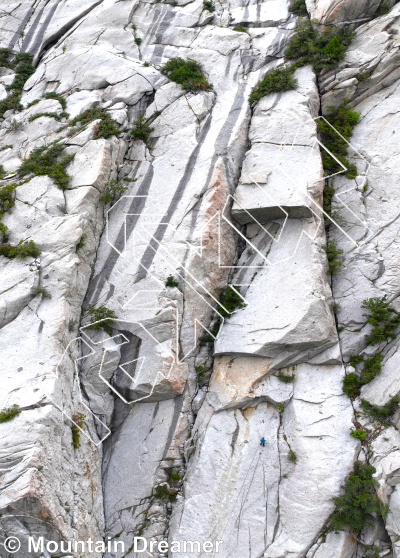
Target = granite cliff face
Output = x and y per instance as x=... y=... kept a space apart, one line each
x=151 y=426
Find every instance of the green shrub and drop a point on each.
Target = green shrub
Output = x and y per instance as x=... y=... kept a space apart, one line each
x=7 y=201
x=209 y=5
x=81 y=243
x=356 y=359
x=357 y=507
x=3 y=233
x=358 y=433
x=138 y=41
x=343 y=119
x=146 y=64
x=240 y=28
x=78 y=419
x=352 y=382
x=22 y=250
x=9 y=413
x=292 y=456
x=114 y=190
x=323 y=50
x=24 y=68
x=22 y=64
x=56 y=97
x=40 y=291
x=200 y=374
x=187 y=73
x=162 y=492
x=286 y=378
x=298 y=7
x=230 y=301
x=280 y=407
x=103 y=318
x=170 y=282
x=332 y=253
x=106 y=128
x=206 y=338
x=32 y=103
x=383 y=318
x=381 y=414
x=5 y=58
x=370 y=550
x=383 y=9
x=47 y=160
x=372 y=367
x=133 y=26
x=141 y=129
x=278 y=79
x=4 y=147
x=12 y=102
x=55 y=115
x=2 y=172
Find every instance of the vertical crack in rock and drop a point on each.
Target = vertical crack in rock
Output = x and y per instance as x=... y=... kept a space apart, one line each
x=146 y=426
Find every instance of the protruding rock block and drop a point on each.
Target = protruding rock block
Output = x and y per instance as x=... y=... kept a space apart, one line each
x=282 y=171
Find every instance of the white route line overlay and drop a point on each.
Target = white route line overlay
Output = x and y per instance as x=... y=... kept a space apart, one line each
x=167 y=256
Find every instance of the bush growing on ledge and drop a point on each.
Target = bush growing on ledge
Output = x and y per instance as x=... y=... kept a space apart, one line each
x=56 y=97
x=78 y=419
x=7 y=198
x=292 y=456
x=383 y=9
x=279 y=79
x=332 y=253
x=230 y=301
x=22 y=64
x=240 y=28
x=381 y=414
x=382 y=317
x=209 y=5
x=114 y=190
x=9 y=413
x=343 y=119
x=24 y=68
x=46 y=161
x=187 y=73
x=5 y=58
x=322 y=50
x=358 y=433
x=357 y=507
x=40 y=291
x=22 y=250
x=141 y=129
x=298 y=7
x=352 y=383
x=286 y=378
x=170 y=282
x=106 y=128
x=81 y=243
x=207 y=338
x=104 y=318
x=12 y=102
x=162 y=492
x=54 y=115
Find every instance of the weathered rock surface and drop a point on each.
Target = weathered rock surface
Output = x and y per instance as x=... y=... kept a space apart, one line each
x=221 y=193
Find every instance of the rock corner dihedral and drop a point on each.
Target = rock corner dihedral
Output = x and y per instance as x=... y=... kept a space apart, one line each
x=199 y=207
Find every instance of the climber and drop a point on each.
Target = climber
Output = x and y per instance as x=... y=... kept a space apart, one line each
x=262 y=442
